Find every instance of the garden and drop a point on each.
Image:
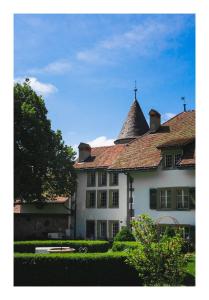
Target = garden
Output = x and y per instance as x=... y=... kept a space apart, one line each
x=142 y=260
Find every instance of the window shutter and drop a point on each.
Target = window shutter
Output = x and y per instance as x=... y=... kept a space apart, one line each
x=153 y=198
x=111 y=178
x=192 y=198
x=87 y=199
x=110 y=229
x=98 y=229
x=98 y=199
x=110 y=199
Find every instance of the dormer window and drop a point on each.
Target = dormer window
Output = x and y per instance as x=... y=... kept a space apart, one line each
x=168 y=161
x=171 y=159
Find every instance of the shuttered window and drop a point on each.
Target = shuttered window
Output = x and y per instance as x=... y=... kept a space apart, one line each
x=102 y=178
x=175 y=198
x=113 y=227
x=102 y=199
x=153 y=198
x=102 y=229
x=91 y=179
x=192 y=198
x=90 y=199
x=113 y=178
x=165 y=199
x=113 y=198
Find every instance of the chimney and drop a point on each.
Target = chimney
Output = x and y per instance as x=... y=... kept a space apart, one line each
x=155 y=120
x=84 y=152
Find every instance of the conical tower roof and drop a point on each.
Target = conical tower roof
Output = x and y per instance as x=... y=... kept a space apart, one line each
x=134 y=126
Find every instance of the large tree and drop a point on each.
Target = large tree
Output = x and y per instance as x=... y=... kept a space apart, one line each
x=43 y=164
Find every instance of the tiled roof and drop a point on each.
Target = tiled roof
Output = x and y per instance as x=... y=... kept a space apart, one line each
x=58 y=200
x=134 y=125
x=145 y=151
x=101 y=157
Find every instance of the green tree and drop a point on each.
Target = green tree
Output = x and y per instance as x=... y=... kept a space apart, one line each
x=43 y=164
x=158 y=259
x=124 y=234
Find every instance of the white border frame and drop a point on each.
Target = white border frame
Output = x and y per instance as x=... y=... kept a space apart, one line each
x=10 y=7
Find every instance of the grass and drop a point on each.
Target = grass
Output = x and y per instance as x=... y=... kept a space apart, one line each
x=190 y=271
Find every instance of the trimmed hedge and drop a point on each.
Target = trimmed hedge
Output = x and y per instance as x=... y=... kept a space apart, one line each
x=92 y=246
x=78 y=269
x=121 y=246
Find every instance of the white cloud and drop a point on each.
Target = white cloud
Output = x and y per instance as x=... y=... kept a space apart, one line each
x=39 y=87
x=101 y=141
x=56 y=67
x=149 y=38
x=167 y=116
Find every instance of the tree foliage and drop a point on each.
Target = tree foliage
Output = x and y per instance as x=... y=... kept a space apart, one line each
x=124 y=234
x=43 y=164
x=158 y=259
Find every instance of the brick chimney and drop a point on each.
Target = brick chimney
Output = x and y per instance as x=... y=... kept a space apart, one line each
x=84 y=152
x=155 y=120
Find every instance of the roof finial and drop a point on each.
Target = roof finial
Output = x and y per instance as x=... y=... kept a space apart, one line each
x=135 y=90
x=184 y=103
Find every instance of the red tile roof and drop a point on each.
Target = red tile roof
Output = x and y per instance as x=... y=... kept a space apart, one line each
x=145 y=151
x=101 y=157
x=58 y=200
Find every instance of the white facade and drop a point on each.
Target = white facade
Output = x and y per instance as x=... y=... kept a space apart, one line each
x=144 y=181
x=110 y=214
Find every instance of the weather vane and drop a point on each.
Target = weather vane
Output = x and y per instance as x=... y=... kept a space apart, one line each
x=135 y=90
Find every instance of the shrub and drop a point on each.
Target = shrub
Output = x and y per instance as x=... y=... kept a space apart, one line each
x=92 y=246
x=124 y=234
x=121 y=246
x=158 y=259
x=78 y=269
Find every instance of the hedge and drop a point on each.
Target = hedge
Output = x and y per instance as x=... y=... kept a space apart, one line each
x=121 y=246
x=92 y=246
x=78 y=269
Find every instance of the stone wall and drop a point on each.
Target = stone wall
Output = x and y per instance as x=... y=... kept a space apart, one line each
x=37 y=226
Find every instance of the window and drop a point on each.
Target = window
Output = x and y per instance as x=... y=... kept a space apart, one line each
x=115 y=228
x=182 y=198
x=172 y=159
x=177 y=158
x=102 y=199
x=186 y=232
x=90 y=229
x=102 y=229
x=114 y=178
x=168 y=161
x=165 y=199
x=102 y=178
x=173 y=198
x=91 y=179
x=90 y=199
x=114 y=199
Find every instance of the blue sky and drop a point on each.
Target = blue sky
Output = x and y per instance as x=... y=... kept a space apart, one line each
x=85 y=67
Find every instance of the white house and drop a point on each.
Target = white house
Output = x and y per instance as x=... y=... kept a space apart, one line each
x=150 y=169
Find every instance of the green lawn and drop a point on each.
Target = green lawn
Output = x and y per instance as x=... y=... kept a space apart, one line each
x=190 y=278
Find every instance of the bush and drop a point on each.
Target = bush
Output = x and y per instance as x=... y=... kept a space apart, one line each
x=121 y=246
x=124 y=234
x=92 y=246
x=78 y=269
x=159 y=260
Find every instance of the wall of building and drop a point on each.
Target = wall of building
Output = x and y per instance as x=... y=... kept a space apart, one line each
x=37 y=226
x=144 y=181
x=83 y=213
